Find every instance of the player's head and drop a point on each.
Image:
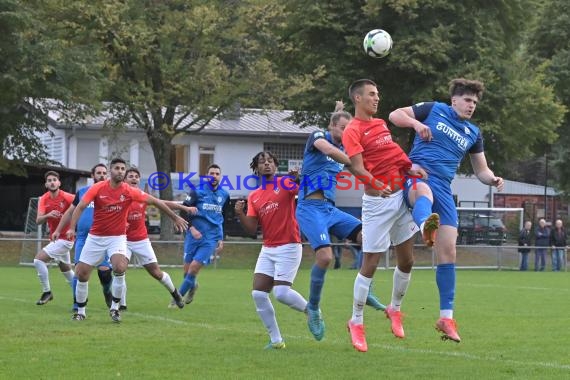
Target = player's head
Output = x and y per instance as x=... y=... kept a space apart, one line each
x=118 y=168
x=52 y=180
x=465 y=94
x=338 y=122
x=133 y=176
x=264 y=163
x=365 y=96
x=99 y=172
x=215 y=172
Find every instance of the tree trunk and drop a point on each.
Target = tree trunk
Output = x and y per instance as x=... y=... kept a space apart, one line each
x=162 y=147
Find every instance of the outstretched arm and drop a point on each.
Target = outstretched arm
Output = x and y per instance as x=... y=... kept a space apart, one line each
x=179 y=223
x=332 y=151
x=483 y=173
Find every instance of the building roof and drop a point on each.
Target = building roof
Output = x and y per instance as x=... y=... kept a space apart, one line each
x=249 y=122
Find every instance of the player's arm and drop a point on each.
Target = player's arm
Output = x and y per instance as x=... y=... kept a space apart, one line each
x=482 y=171
x=42 y=217
x=373 y=186
x=249 y=223
x=180 y=224
x=409 y=117
x=65 y=219
x=174 y=205
x=332 y=151
x=75 y=217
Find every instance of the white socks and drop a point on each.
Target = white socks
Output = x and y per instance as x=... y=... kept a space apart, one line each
x=361 y=288
x=399 y=287
x=167 y=282
x=266 y=312
x=81 y=292
x=43 y=274
x=118 y=289
x=290 y=297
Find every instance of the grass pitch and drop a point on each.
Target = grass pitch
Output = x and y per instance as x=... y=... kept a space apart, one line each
x=513 y=326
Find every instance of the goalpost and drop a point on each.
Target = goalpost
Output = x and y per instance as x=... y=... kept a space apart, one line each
x=33 y=234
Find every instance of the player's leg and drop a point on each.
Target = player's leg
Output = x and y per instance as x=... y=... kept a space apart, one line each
x=287 y=259
x=262 y=285
x=201 y=257
x=119 y=257
x=40 y=263
x=313 y=218
x=419 y=196
x=92 y=254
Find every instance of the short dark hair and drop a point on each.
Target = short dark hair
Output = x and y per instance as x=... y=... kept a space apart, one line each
x=462 y=86
x=117 y=160
x=264 y=154
x=357 y=86
x=213 y=166
x=132 y=169
x=96 y=166
x=51 y=173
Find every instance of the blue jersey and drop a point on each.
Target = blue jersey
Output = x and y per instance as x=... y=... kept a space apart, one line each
x=86 y=219
x=319 y=171
x=210 y=204
x=452 y=139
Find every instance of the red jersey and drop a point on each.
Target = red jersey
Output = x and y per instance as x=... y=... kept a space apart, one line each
x=111 y=207
x=59 y=203
x=382 y=157
x=136 y=226
x=274 y=208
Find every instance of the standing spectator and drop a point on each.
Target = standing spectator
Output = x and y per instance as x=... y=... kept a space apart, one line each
x=558 y=243
x=525 y=241
x=542 y=240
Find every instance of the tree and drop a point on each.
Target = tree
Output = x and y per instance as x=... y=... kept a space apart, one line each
x=170 y=67
x=550 y=43
x=434 y=41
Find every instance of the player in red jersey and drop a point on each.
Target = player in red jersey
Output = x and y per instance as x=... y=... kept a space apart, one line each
x=139 y=244
x=272 y=205
x=51 y=207
x=107 y=235
x=383 y=166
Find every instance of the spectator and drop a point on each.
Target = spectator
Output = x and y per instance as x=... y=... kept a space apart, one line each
x=558 y=243
x=525 y=241
x=542 y=241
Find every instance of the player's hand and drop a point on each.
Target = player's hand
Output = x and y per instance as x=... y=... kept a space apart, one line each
x=70 y=234
x=54 y=214
x=197 y=235
x=220 y=246
x=499 y=183
x=180 y=224
x=418 y=173
x=379 y=188
x=239 y=207
x=423 y=131
x=55 y=236
x=338 y=106
x=191 y=210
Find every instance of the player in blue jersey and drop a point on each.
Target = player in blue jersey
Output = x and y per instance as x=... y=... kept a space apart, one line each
x=98 y=173
x=444 y=136
x=210 y=201
x=323 y=160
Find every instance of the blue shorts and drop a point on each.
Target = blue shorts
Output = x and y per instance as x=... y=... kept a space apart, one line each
x=317 y=218
x=200 y=250
x=79 y=243
x=443 y=202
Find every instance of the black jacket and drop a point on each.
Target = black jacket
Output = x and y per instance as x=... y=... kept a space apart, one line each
x=558 y=237
x=525 y=237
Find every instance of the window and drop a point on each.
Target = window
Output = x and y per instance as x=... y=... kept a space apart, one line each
x=206 y=159
x=179 y=158
x=285 y=151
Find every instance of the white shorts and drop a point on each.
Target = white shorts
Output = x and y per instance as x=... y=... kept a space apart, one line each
x=280 y=262
x=142 y=249
x=59 y=250
x=96 y=247
x=384 y=220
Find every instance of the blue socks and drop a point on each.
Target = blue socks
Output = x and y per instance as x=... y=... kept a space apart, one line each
x=188 y=283
x=445 y=278
x=421 y=210
x=317 y=281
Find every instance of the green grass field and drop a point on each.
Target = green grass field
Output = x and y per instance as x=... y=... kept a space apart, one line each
x=513 y=325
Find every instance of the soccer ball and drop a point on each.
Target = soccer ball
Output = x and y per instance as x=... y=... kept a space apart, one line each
x=377 y=43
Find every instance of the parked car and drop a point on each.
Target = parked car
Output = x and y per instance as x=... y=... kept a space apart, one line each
x=481 y=229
